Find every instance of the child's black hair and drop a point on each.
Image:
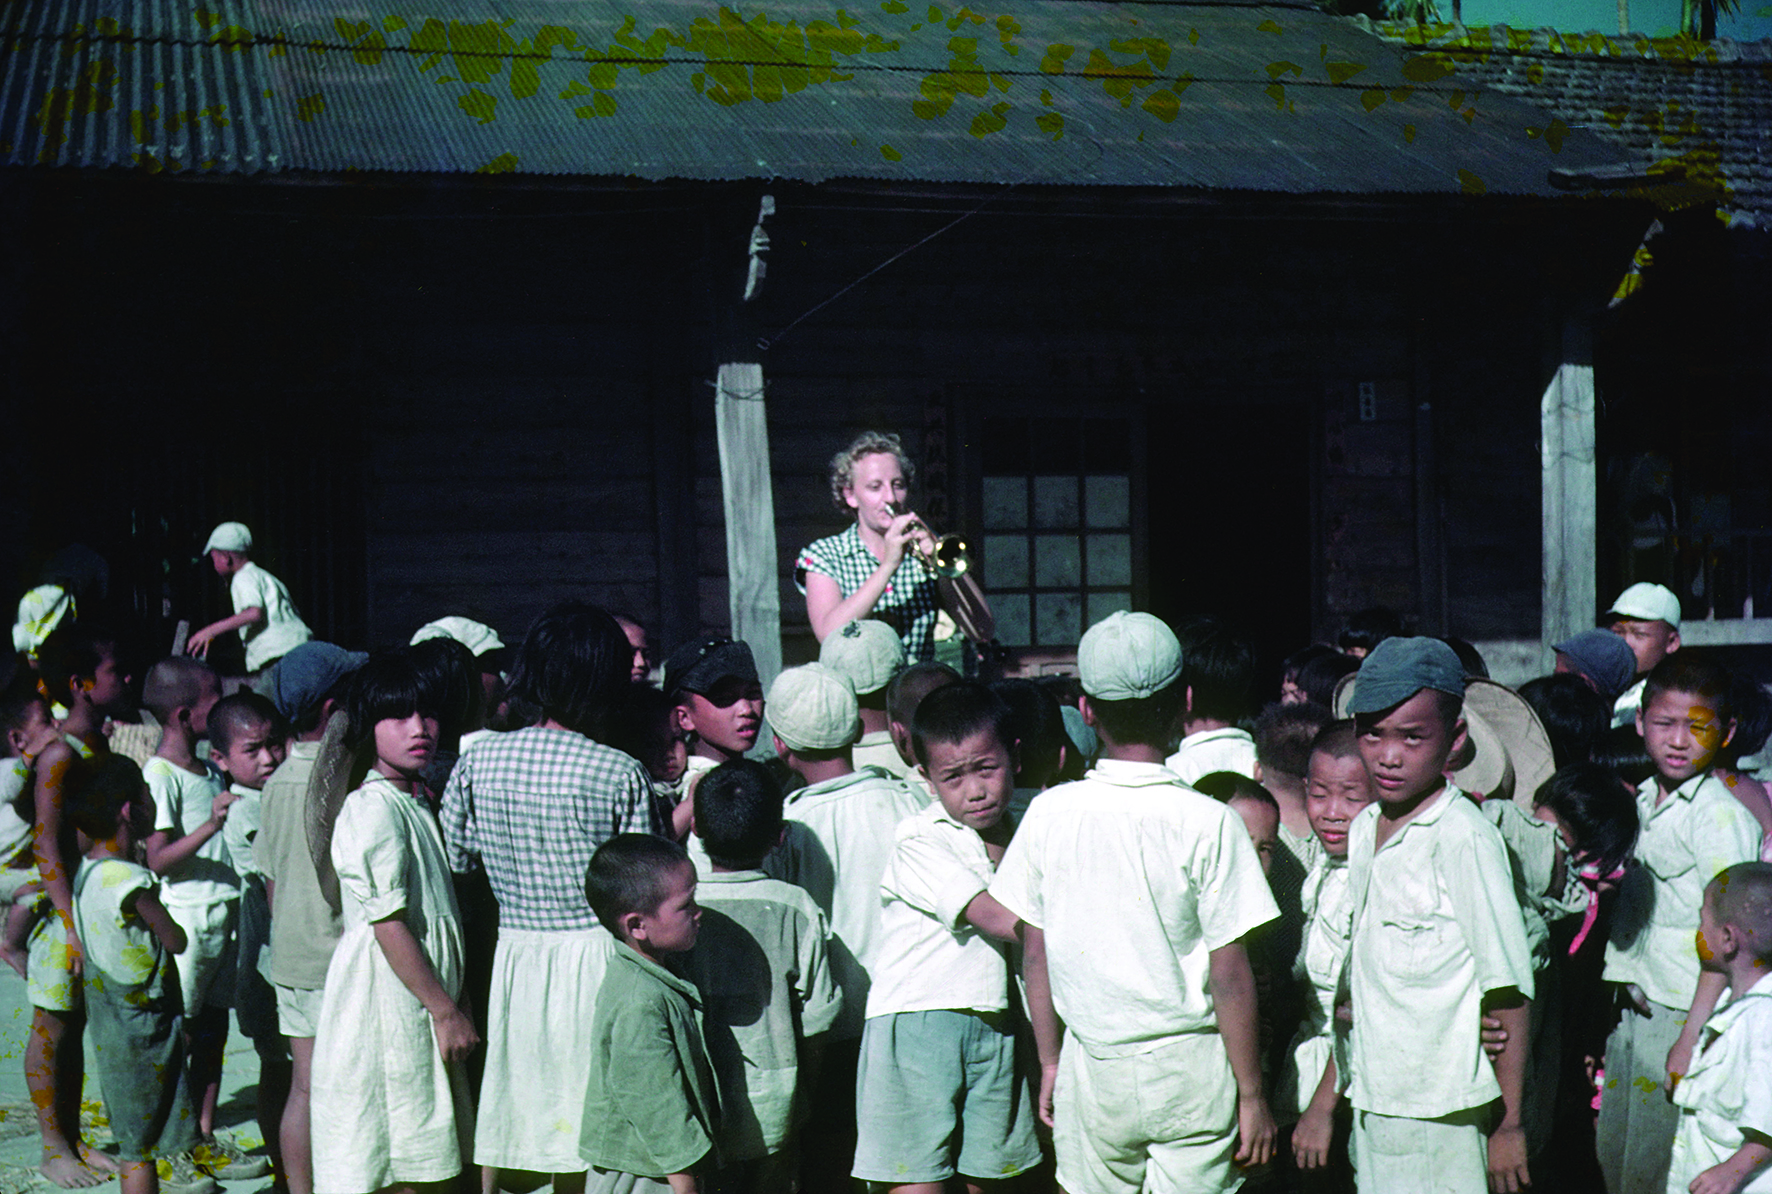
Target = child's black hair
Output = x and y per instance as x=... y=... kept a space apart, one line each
x=1752 y=707
x=1283 y=737
x=1366 y=629
x=1142 y=721
x=905 y=691
x=1218 y=665
x=738 y=813
x=97 y=792
x=1319 y=677
x=1295 y=662
x=1621 y=750
x=573 y=662
x=238 y=715
x=1573 y=714
x=641 y=722
x=1599 y=814
x=386 y=687
x=1744 y=900
x=1469 y=657
x=1686 y=672
x=955 y=712
x=73 y=650
x=449 y=681
x=1338 y=740
x=174 y=683
x=630 y=873
x=1036 y=722
x=17 y=701
x=1226 y=786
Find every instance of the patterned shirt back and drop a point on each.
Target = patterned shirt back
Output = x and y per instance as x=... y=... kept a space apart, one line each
x=532 y=807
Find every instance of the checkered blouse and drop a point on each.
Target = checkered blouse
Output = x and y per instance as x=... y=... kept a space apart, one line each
x=910 y=603
x=533 y=806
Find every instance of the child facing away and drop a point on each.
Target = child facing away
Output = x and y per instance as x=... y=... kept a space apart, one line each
x=1724 y=1141
x=1692 y=828
x=938 y=1092
x=1438 y=937
x=133 y=1007
x=719 y=700
x=651 y=1103
x=1217 y=674
x=263 y=614
x=762 y=965
x=24 y=716
x=1136 y=894
x=247 y=742
x=868 y=653
x=1309 y=1089
x=389 y=1097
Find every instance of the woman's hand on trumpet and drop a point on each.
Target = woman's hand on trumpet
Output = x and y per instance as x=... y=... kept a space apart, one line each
x=908 y=535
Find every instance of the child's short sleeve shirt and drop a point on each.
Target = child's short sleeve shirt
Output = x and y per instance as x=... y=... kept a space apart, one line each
x=118 y=944
x=1697 y=831
x=1135 y=879
x=929 y=957
x=281 y=631
x=182 y=803
x=1436 y=926
x=1201 y=754
x=1727 y=1091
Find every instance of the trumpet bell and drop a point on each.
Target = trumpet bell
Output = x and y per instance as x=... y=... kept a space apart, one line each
x=951 y=557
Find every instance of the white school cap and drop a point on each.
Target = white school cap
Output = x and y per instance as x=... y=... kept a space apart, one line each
x=1648 y=602
x=477 y=637
x=1127 y=657
x=229 y=536
x=813 y=708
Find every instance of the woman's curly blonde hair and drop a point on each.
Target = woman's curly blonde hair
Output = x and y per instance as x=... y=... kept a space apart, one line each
x=868 y=443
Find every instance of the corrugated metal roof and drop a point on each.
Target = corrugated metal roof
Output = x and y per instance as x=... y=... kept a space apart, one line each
x=1262 y=98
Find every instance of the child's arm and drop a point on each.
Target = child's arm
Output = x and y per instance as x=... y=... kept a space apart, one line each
x=198 y=643
x=1732 y=1174
x=166 y=852
x=46 y=832
x=1232 y=984
x=683 y=1183
x=1679 y=1058
x=455 y=1033
x=147 y=905
x=1042 y=1016
x=1316 y=1127
x=991 y=918
x=1507 y=1144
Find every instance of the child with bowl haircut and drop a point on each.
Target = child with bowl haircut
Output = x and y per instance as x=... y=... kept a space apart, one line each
x=1692 y=828
x=938 y=1093
x=1438 y=937
x=651 y=1104
x=1724 y=1141
x=762 y=965
x=1137 y=893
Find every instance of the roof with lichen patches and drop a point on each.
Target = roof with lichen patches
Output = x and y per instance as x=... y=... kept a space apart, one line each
x=1699 y=114
x=1265 y=97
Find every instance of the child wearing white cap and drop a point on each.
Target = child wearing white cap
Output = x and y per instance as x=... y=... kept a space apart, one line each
x=839 y=840
x=868 y=654
x=263 y=613
x=1647 y=616
x=1136 y=894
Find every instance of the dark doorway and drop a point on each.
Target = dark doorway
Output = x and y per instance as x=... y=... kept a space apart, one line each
x=1229 y=502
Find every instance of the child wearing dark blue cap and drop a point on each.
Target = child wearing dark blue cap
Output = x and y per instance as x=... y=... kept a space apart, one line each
x=1438 y=938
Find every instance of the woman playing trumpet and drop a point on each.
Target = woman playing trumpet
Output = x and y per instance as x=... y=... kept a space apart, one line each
x=873 y=569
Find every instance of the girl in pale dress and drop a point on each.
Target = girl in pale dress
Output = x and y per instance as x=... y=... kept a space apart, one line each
x=390 y=1108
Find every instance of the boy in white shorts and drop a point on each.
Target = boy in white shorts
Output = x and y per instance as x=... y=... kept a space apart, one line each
x=1137 y=893
x=263 y=613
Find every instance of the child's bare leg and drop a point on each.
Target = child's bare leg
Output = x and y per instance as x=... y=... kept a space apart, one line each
x=298 y=1152
x=55 y=1036
x=206 y=1036
x=20 y=919
x=140 y=1177
x=275 y=1076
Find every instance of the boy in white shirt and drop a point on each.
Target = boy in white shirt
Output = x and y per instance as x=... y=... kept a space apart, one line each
x=938 y=1093
x=868 y=654
x=263 y=614
x=1692 y=828
x=1724 y=1142
x=1438 y=938
x=1136 y=894
x=1217 y=673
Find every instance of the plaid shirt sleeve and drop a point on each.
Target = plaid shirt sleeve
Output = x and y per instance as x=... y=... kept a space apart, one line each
x=457 y=819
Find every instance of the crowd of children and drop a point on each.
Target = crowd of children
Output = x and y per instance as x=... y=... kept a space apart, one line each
x=496 y=918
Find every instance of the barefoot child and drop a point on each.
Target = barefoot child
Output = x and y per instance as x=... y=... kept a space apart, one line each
x=79 y=668
x=389 y=1093
x=651 y=1104
x=132 y=996
x=1724 y=1141
x=24 y=716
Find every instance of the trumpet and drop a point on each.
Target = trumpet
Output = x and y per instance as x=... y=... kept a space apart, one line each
x=951 y=557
